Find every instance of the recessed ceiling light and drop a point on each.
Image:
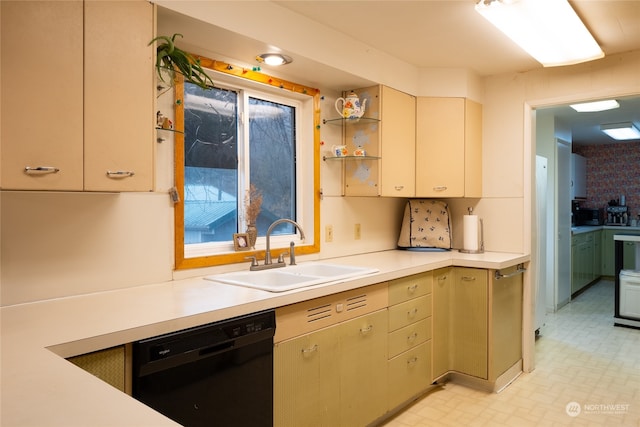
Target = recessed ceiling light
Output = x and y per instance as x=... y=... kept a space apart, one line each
x=548 y=30
x=621 y=131
x=274 y=59
x=590 y=107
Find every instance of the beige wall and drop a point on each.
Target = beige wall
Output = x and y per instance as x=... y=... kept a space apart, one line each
x=58 y=244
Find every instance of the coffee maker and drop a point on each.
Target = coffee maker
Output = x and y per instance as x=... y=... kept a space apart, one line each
x=617 y=215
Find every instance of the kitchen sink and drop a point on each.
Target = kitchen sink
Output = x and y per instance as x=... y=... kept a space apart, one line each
x=292 y=277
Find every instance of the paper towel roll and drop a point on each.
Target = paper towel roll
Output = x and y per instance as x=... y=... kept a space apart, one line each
x=470 y=232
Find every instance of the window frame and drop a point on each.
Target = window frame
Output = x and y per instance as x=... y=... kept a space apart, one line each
x=266 y=83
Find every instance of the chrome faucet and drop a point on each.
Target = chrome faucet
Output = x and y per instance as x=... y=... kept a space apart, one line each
x=268 y=263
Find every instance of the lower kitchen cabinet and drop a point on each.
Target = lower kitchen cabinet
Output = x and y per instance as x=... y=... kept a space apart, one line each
x=469 y=328
x=305 y=380
x=409 y=374
x=505 y=321
x=442 y=288
x=333 y=377
x=363 y=350
x=410 y=332
x=477 y=323
x=597 y=254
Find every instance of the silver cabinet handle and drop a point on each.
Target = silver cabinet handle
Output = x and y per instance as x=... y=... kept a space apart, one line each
x=412 y=313
x=120 y=174
x=366 y=329
x=412 y=288
x=399 y=187
x=310 y=350
x=412 y=361
x=412 y=337
x=468 y=278
x=41 y=169
x=440 y=188
x=519 y=270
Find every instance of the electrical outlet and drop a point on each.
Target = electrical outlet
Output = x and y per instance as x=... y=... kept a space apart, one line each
x=356 y=232
x=328 y=233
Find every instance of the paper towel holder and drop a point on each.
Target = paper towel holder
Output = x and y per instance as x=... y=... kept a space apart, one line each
x=480 y=249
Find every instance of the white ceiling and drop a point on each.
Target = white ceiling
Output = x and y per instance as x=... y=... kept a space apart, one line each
x=449 y=34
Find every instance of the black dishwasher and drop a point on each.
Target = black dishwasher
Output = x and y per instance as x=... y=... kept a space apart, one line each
x=220 y=374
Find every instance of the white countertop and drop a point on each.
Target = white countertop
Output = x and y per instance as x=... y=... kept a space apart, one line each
x=40 y=388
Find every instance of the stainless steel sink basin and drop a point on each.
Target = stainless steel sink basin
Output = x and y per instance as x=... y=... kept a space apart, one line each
x=292 y=277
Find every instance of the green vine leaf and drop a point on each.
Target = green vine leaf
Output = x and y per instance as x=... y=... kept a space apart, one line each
x=172 y=59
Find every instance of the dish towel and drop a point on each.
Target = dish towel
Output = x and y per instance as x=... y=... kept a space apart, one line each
x=425 y=225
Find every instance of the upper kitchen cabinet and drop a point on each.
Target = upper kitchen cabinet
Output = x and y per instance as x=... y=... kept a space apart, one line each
x=42 y=79
x=386 y=133
x=119 y=96
x=578 y=177
x=77 y=95
x=398 y=143
x=448 y=147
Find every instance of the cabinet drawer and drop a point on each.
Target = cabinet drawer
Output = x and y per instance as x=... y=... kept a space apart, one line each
x=404 y=289
x=405 y=338
x=403 y=314
x=409 y=374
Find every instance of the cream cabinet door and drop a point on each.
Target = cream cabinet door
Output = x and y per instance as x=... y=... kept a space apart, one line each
x=470 y=322
x=336 y=376
x=440 y=147
x=409 y=374
x=363 y=367
x=442 y=303
x=448 y=147
x=505 y=323
x=306 y=380
x=42 y=80
x=398 y=143
x=119 y=96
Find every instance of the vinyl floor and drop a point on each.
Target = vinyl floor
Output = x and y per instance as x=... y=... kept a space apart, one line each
x=587 y=374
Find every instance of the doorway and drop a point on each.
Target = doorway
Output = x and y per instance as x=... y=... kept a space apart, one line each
x=557 y=129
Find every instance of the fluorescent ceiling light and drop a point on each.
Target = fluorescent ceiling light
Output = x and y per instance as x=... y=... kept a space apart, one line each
x=590 y=107
x=549 y=30
x=621 y=131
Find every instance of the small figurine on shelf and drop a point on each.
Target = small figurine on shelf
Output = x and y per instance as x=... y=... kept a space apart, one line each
x=167 y=124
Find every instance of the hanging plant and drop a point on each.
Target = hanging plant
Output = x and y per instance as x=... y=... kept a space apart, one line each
x=171 y=59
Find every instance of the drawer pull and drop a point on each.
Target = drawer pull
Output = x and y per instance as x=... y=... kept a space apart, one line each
x=440 y=188
x=399 y=187
x=519 y=270
x=468 y=278
x=366 y=329
x=442 y=278
x=120 y=174
x=306 y=351
x=412 y=313
x=412 y=288
x=412 y=337
x=412 y=361
x=41 y=169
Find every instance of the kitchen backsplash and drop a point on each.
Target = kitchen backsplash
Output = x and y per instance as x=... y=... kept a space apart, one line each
x=612 y=170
